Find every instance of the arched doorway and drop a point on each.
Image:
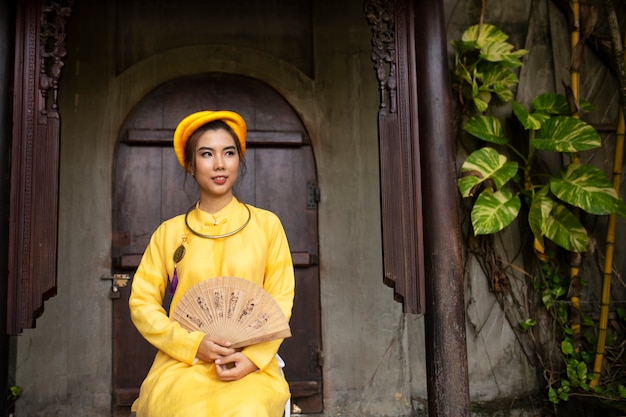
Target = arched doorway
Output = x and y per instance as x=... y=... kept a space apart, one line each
x=148 y=188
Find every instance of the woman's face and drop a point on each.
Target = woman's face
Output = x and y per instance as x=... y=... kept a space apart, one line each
x=216 y=163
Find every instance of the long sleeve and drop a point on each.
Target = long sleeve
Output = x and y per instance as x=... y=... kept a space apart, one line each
x=146 y=310
x=279 y=283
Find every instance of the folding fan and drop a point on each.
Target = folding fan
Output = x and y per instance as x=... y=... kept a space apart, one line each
x=232 y=309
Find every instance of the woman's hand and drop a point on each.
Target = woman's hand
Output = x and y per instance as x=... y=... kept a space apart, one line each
x=209 y=351
x=234 y=367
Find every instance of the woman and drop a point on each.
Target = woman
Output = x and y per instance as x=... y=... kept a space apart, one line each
x=193 y=374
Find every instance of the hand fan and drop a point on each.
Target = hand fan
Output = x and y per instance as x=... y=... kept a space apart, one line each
x=232 y=309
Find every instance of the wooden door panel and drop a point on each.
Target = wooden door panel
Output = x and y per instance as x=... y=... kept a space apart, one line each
x=282 y=175
x=179 y=191
x=285 y=173
x=135 y=222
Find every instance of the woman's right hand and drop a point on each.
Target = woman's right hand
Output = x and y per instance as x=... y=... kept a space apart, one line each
x=210 y=350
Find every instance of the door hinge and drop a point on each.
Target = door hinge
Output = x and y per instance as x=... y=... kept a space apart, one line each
x=312 y=195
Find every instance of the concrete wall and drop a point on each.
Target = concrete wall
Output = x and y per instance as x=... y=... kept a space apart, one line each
x=373 y=354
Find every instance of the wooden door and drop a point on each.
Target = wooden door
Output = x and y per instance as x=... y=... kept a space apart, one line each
x=149 y=186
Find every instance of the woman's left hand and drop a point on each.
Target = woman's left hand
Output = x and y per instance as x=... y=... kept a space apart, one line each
x=234 y=367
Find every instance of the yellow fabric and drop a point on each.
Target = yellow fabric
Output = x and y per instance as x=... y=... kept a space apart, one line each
x=191 y=123
x=175 y=386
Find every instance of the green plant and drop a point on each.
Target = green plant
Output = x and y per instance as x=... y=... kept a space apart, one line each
x=484 y=63
x=15 y=392
x=504 y=177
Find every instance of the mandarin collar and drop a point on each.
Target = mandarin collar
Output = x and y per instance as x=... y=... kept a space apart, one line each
x=230 y=214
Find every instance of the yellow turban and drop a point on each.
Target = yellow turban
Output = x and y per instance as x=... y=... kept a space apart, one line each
x=191 y=123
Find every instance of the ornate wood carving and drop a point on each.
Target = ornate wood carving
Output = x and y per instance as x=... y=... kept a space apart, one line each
x=393 y=53
x=39 y=53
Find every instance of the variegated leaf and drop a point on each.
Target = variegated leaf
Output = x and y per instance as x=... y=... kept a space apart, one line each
x=529 y=121
x=493 y=211
x=487 y=128
x=586 y=187
x=496 y=78
x=483 y=34
x=495 y=51
x=551 y=103
x=564 y=229
x=504 y=94
x=485 y=164
x=481 y=101
x=566 y=134
x=538 y=213
x=513 y=59
x=621 y=209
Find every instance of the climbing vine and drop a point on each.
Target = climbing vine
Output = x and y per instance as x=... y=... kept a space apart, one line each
x=505 y=181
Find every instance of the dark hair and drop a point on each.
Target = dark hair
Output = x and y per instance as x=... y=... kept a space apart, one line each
x=190 y=146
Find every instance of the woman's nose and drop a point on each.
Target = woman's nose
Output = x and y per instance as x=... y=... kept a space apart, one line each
x=219 y=162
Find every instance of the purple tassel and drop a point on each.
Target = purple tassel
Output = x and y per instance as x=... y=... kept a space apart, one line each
x=174 y=282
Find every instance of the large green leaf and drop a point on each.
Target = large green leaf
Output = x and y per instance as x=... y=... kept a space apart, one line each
x=495 y=51
x=493 y=211
x=586 y=187
x=529 y=121
x=485 y=164
x=556 y=104
x=621 y=209
x=497 y=79
x=513 y=59
x=566 y=134
x=487 y=128
x=502 y=52
x=483 y=34
x=551 y=103
x=538 y=213
x=481 y=100
x=564 y=229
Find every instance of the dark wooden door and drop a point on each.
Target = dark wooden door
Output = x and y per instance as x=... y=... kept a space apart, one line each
x=149 y=186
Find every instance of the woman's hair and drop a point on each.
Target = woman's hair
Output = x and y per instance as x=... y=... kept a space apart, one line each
x=190 y=147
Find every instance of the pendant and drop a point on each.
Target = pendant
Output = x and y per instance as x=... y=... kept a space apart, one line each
x=179 y=254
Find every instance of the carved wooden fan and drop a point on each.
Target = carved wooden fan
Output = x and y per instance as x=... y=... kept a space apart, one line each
x=232 y=309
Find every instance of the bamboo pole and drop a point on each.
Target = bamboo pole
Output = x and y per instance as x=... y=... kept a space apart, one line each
x=618 y=54
x=575 y=258
x=576 y=58
x=608 y=260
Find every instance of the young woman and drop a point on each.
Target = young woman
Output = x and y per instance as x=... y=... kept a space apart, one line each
x=193 y=374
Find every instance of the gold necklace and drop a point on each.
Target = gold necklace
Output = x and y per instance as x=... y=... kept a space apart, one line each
x=216 y=236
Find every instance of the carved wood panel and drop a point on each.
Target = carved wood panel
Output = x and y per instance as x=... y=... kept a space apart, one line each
x=33 y=211
x=393 y=53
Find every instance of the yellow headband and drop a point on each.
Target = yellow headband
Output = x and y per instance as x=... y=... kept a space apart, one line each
x=191 y=123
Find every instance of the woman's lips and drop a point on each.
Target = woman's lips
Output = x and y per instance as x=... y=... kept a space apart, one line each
x=220 y=180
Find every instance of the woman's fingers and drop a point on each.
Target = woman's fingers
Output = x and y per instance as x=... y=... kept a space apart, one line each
x=234 y=367
x=209 y=350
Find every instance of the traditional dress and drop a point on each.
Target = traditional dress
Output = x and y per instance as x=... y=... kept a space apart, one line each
x=178 y=385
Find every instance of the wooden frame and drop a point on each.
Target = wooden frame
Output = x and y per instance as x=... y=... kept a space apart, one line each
x=393 y=53
x=33 y=211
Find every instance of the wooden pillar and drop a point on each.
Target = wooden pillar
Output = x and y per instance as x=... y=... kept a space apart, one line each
x=446 y=353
